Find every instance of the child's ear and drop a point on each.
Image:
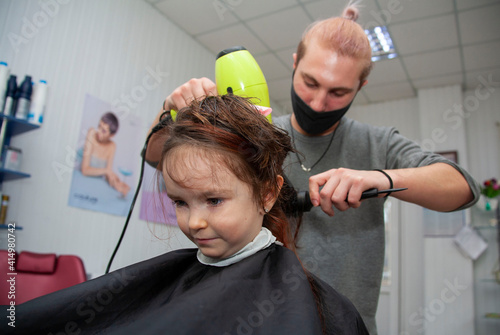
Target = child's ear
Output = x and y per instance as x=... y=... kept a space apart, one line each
x=271 y=197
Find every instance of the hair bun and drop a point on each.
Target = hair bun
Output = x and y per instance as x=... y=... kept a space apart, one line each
x=351 y=13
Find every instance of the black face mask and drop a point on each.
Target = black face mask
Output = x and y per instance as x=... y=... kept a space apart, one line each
x=313 y=122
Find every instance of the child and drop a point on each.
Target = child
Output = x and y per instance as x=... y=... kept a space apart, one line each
x=222 y=166
x=99 y=152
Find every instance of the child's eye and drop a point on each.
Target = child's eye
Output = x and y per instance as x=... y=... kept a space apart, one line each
x=178 y=203
x=214 y=201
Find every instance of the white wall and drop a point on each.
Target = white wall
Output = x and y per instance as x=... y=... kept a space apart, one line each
x=483 y=132
x=104 y=48
x=446 y=313
x=483 y=135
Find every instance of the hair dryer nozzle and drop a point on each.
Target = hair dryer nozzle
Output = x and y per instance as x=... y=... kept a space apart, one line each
x=229 y=50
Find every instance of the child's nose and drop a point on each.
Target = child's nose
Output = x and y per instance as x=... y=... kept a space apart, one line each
x=197 y=220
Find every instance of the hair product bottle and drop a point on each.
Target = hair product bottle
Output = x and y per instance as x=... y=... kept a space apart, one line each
x=24 y=99
x=4 y=77
x=10 y=98
x=3 y=210
x=38 y=101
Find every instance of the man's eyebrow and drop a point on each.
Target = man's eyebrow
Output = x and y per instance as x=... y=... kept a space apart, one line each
x=340 y=88
x=344 y=89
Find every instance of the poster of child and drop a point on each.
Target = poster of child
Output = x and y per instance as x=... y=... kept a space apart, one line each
x=107 y=159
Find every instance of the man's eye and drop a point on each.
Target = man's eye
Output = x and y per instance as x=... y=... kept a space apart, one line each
x=312 y=85
x=214 y=201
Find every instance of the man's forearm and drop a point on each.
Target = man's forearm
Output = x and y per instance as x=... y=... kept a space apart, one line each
x=438 y=187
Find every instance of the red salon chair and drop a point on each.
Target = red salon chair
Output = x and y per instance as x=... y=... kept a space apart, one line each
x=30 y=275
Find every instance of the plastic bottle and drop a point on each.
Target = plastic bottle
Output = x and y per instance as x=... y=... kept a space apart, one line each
x=10 y=99
x=4 y=77
x=38 y=101
x=24 y=99
x=3 y=210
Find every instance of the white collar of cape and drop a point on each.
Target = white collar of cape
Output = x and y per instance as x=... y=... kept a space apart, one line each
x=263 y=240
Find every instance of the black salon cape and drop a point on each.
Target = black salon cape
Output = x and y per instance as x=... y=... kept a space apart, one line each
x=266 y=293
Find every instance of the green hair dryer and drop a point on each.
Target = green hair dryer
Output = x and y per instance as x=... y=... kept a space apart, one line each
x=237 y=72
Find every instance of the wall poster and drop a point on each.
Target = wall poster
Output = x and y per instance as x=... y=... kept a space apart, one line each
x=156 y=206
x=108 y=159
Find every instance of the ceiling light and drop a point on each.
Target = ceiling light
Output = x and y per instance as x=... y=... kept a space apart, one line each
x=381 y=43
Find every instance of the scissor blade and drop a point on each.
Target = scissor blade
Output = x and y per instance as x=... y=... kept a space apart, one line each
x=392 y=190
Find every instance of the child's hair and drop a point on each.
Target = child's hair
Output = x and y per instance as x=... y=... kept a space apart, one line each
x=111 y=120
x=229 y=130
x=342 y=35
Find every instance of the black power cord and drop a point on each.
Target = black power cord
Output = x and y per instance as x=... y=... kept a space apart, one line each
x=165 y=120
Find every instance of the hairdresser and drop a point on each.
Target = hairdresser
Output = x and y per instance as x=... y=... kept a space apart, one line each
x=343 y=241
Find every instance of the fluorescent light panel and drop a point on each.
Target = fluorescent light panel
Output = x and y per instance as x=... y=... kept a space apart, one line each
x=381 y=43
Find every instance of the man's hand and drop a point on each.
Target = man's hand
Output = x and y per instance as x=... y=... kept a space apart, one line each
x=439 y=187
x=179 y=98
x=183 y=95
x=341 y=184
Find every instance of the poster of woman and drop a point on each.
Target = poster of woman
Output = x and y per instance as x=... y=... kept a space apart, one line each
x=107 y=160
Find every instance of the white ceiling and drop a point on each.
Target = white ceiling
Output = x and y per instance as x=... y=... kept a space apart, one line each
x=439 y=42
